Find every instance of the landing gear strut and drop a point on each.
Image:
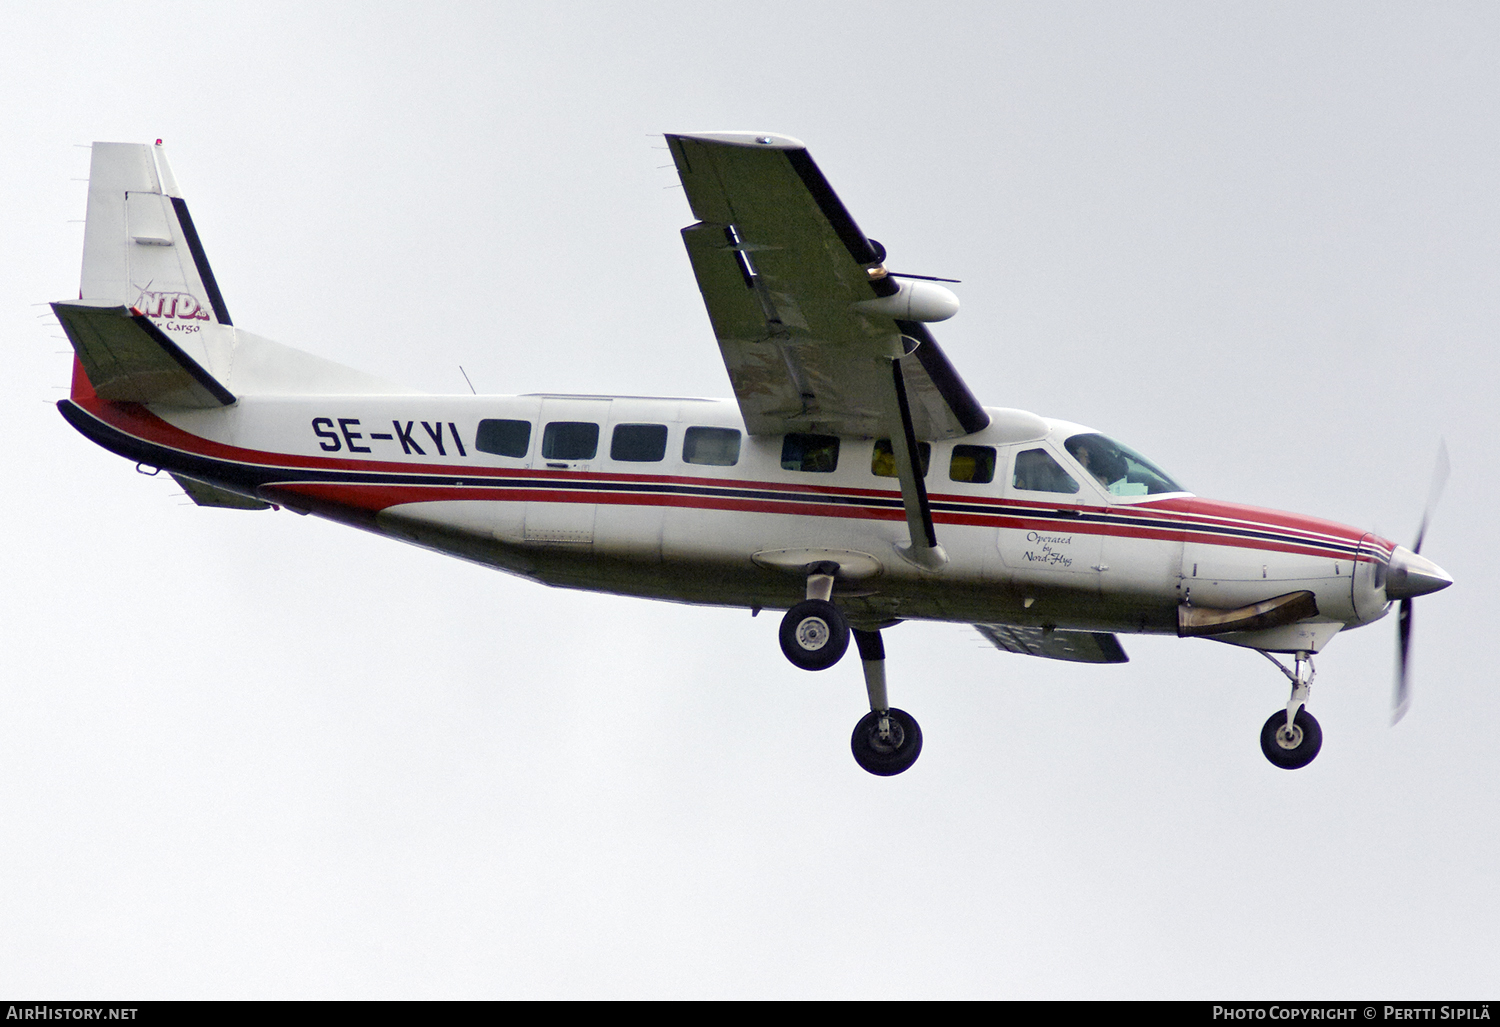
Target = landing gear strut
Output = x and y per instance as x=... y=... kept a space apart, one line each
x=1292 y=737
x=886 y=741
x=815 y=636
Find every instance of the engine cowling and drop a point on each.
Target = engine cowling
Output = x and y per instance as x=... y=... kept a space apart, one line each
x=914 y=301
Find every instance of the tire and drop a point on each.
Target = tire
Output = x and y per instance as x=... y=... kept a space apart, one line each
x=814 y=635
x=1291 y=753
x=880 y=757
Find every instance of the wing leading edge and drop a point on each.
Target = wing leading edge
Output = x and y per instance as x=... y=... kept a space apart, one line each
x=807 y=319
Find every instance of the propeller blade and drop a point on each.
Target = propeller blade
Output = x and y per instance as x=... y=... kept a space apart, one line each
x=879 y=249
x=925 y=278
x=1423 y=578
x=1403 y=658
x=1439 y=479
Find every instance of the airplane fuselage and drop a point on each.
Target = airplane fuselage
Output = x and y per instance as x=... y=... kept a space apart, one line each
x=672 y=499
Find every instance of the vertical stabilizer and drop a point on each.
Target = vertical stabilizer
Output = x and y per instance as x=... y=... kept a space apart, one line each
x=140 y=248
x=141 y=251
x=149 y=324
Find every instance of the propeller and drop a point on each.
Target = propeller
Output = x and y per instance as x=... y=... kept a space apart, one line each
x=880 y=256
x=1411 y=575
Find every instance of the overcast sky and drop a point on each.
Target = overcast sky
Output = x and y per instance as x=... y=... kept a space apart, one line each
x=258 y=755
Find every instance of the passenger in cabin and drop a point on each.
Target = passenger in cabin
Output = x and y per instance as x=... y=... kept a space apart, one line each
x=972 y=464
x=883 y=458
x=802 y=451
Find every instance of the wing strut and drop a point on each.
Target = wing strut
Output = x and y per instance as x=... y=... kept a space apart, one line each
x=924 y=550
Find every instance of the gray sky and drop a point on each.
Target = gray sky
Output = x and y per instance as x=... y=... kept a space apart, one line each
x=257 y=755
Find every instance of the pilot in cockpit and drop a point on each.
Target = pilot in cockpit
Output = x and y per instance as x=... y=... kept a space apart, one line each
x=1107 y=468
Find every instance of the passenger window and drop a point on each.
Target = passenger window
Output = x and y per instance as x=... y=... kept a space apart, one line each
x=1036 y=471
x=816 y=453
x=718 y=447
x=639 y=443
x=503 y=438
x=883 y=459
x=570 y=440
x=974 y=464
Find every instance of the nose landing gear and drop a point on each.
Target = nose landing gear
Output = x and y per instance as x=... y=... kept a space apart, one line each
x=1291 y=746
x=1291 y=738
x=886 y=741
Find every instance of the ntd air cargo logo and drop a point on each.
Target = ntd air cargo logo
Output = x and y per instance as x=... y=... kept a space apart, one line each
x=181 y=306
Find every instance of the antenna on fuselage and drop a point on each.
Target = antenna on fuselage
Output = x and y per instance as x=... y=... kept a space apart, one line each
x=466 y=378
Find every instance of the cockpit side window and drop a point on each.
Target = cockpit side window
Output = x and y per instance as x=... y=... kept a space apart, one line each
x=1037 y=471
x=1119 y=469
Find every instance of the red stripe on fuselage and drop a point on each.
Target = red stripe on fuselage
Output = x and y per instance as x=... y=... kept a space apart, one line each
x=1204 y=520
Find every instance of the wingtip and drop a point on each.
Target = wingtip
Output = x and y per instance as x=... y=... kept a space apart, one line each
x=749 y=140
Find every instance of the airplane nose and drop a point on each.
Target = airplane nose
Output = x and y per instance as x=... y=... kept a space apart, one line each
x=1412 y=575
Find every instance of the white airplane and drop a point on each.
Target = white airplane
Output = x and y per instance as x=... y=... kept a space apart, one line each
x=854 y=481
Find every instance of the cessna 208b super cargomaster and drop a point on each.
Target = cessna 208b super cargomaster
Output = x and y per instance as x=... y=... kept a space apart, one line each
x=854 y=480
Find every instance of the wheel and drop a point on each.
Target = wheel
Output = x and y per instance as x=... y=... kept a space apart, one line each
x=814 y=634
x=1294 y=749
x=887 y=757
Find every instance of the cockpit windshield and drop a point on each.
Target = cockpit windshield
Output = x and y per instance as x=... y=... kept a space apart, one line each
x=1121 y=470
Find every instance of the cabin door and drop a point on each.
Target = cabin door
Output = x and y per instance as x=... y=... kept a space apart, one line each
x=566 y=468
x=1046 y=538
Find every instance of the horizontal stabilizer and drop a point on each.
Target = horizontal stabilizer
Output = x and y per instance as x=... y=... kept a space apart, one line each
x=1074 y=646
x=205 y=494
x=129 y=359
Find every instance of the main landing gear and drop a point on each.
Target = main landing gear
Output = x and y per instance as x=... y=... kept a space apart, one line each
x=815 y=636
x=1291 y=738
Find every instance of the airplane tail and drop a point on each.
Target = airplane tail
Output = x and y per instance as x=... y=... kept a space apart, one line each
x=140 y=248
x=150 y=324
x=149 y=319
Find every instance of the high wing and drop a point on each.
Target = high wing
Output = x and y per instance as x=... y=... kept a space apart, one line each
x=807 y=318
x=1073 y=646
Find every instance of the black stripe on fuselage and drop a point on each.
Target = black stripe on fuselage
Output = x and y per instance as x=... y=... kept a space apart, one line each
x=248 y=478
